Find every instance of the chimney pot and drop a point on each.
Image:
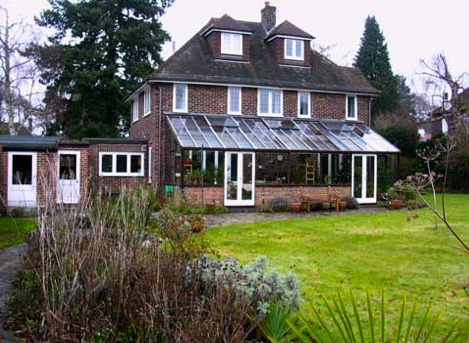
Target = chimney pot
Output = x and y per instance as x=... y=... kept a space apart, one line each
x=268 y=16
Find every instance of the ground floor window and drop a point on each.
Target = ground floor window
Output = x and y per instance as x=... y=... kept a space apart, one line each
x=299 y=169
x=203 y=166
x=120 y=164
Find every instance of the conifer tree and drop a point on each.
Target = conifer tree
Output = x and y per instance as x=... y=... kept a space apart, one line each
x=100 y=51
x=373 y=60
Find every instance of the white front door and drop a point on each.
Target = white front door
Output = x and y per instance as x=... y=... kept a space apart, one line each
x=22 y=175
x=364 y=178
x=239 y=178
x=68 y=187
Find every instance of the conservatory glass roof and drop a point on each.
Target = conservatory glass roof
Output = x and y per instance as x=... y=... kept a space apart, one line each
x=250 y=133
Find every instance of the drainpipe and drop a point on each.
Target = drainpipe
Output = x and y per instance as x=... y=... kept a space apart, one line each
x=159 y=138
x=369 y=111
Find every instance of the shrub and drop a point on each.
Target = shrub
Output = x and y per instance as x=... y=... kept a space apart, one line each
x=352 y=203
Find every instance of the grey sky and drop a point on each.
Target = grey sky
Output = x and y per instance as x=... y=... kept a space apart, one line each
x=414 y=29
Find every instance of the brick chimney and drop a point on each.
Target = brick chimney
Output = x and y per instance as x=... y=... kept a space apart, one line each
x=268 y=16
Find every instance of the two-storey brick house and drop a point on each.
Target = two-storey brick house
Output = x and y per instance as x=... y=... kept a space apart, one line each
x=246 y=112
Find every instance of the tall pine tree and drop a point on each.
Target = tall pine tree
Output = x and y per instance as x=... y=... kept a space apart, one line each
x=101 y=50
x=373 y=60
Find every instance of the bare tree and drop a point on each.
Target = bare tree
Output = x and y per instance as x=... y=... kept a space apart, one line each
x=439 y=78
x=18 y=73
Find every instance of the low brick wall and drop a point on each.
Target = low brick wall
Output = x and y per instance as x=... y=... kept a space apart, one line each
x=263 y=193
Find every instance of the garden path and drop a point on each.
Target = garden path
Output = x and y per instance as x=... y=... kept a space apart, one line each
x=233 y=218
x=11 y=261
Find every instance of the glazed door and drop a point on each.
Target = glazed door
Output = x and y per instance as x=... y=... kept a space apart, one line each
x=22 y=175
x=239 y=178
x=364 y=178
x=68 y=188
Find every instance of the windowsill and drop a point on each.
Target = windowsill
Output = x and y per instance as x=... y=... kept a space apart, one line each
x=270 y=115
x=146 y=114
x=120 y=175
x=294 y=59
x=304 y=116
x=235 y=113
x=351 y=119
x=180 y=111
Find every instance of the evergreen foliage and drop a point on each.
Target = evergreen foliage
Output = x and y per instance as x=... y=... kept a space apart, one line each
x=100 y=51
x=373 y=60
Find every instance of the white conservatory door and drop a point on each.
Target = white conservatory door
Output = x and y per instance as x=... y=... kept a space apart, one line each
x=239 y=178
x=364 y=178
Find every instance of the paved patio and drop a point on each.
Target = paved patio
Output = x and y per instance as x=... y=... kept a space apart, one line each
x=232 y=218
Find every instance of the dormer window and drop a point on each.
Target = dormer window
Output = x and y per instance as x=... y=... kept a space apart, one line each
x=294 y=49
x=231 y=43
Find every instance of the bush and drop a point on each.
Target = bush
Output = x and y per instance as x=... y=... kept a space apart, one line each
x=352 y=203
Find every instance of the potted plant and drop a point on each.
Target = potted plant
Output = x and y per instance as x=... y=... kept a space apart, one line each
x=210 y=208
x=295 y=207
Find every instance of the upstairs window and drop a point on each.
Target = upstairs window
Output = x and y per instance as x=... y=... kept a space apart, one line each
x=135 y=109
x=234 y=100
x=351 y=111
x=231 y=43
x=304 y=105
x=146 y=103
x=270 y=102
x=179 y=98
x=294 y=49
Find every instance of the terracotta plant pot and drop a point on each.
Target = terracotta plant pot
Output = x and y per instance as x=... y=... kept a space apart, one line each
x=396 y=204
x=342 y=206
x=210 y=208
x=295 y=207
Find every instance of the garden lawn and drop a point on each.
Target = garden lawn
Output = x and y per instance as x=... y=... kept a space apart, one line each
x=14 y=231
x=360 y=252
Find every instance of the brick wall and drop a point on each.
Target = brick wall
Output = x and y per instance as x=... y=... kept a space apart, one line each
x=264 y=193
x=208 y=99
x=332 y=106
x=114 y=184
x=249 y=101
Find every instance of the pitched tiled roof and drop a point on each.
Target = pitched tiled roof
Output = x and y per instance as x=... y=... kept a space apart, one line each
x=194 y=62
x=227 y=23
x=288 y=29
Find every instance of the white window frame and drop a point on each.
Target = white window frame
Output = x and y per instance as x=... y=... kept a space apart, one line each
x=146 y=102
x=114 y=164
x=135 y=109
x=229 y=111
x=293 y=56
x=307 y=115
x=230 y=48
x=186 y=96
x=355 y=103
x=269 y=113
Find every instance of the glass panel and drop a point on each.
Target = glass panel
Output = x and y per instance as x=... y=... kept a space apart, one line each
x=239 y=138
x=195 y=133
x=136 y=164
x=207 y=132
x=263 y=101
x=276 y=102
x=225 y=137
x=106 y=163
x=351 y=106
x=304 y=108
x=246 y=192
x=232 y=177
x=121 y=164
x=298 y=49
x=181 y=131
x=370 y=176
x=357 y=178
x=255 y=140
x=180 y=96
x=289 y=47
x=22 y=169
x=68 y=167
x=234 y=100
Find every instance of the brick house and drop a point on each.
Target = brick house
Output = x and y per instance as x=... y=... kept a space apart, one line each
x=246 y=112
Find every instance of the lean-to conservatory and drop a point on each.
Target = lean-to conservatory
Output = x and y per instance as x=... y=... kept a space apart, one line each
x=246 y=160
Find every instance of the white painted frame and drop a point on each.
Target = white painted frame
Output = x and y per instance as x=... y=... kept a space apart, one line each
x=146 y=102
x=363 y=199
x=355 y=104
x=114 y=163
x=294 y=42
x=230 y=49
x=186 y=97
x=240 y=181
x=269 y=113
x=60 y=197
x=228 y=110
x=308 y=115
x=135 y=109
x=14 y=191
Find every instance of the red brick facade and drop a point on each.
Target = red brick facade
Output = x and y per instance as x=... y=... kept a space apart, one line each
x=214 y=194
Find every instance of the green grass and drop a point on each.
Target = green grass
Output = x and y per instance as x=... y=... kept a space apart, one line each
x=14 y=231
x=360 y=252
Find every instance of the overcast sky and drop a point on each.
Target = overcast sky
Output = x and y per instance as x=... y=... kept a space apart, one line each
x=414 y=29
